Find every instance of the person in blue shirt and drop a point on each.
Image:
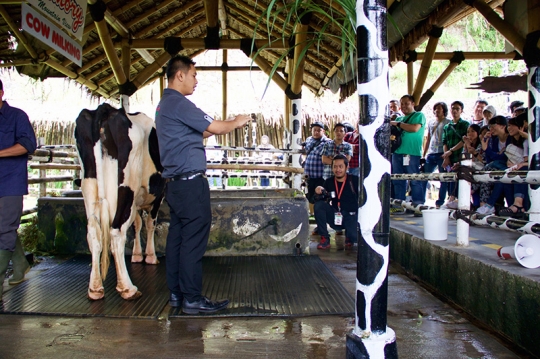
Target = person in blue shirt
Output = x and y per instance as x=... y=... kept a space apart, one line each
x=17 y=140
x=181 y=127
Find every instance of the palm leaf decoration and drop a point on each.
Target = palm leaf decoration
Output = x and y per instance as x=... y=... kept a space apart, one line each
x=336 y=20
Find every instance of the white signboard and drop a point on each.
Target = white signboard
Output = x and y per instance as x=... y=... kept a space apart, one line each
x=36 y=25
x=68 y=14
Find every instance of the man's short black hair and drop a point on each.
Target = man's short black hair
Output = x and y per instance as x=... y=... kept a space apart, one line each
x=1 y=85
x=460 y=104
x=444 y=107
x=340 y=157
x=515 y=104
x=481 y=100
x=410 y=97
x=498 y=120
x=339 y=124
x=178 y=63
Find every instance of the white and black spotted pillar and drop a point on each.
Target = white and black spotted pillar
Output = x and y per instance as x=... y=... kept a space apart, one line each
x=531 y=55
x=296 y=138
x=371 y=337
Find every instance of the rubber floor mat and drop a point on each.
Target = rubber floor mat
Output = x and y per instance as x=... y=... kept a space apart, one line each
x=273 y=286
x=62 y=290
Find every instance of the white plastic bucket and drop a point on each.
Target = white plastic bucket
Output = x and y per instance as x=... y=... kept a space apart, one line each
x=435 y=224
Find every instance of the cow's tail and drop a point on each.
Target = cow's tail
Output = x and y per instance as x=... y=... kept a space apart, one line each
x=105 y=238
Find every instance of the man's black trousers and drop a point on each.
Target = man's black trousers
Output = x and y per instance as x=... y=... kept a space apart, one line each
x=324 y=214
x=191 y=217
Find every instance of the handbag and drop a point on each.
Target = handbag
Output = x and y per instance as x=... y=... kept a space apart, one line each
x=395 y=135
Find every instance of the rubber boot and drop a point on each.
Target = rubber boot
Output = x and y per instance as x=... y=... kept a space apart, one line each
x=5 y=257
x=20 y=264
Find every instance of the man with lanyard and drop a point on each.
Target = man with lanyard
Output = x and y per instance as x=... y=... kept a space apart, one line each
x=406 y=158
x=342 y=191
x=313 y=166
x=334 y=147
x=181 y=127
x=433 y=147
x=453 y=133
x=17 y=140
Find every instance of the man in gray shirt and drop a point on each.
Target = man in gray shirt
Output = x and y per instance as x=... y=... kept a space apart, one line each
x=181 y=127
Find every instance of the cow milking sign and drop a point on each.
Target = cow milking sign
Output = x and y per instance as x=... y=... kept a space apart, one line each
x=68 y=14
x=36 y=25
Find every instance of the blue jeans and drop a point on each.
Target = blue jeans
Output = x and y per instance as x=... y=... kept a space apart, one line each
x=434 y=160
x=400 y=186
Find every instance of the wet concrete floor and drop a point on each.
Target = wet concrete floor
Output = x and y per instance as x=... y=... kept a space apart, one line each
x=425 y=328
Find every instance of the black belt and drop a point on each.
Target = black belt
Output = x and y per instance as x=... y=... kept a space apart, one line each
x=188 y=176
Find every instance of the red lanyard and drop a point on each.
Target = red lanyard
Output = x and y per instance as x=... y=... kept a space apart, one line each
x=339 y=192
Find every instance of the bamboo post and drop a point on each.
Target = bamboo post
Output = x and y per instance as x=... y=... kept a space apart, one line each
x=410 y=77
x=224 y=87
x=106 y=41
x=434 y=36
x=454 y=62
x=371 y=337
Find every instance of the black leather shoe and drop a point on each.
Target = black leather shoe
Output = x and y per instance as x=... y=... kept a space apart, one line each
x=204 y=305
x=175 y=300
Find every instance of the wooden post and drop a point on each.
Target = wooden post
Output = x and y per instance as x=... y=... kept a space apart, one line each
x=224 y=77
x=434 y=36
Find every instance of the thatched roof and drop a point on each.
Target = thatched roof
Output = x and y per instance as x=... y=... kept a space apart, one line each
x=131 y=21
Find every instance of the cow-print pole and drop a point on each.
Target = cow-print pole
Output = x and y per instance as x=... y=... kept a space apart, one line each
x=371 y=338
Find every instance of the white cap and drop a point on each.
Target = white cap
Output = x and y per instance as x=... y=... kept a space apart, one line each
x=491 y=109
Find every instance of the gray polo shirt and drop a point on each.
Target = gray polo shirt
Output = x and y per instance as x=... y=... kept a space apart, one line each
x=180 y=126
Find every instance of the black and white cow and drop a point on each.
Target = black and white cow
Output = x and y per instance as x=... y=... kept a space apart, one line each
x=121 y=174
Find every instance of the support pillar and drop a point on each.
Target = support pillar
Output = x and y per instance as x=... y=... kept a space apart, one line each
x=371 y=338
x=434 y=35
x=531 y=55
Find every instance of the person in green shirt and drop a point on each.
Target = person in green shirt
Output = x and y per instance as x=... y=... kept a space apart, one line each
x=406 y=159
x=453 y=146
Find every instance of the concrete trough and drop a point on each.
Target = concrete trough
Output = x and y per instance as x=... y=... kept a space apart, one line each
x=244 y=222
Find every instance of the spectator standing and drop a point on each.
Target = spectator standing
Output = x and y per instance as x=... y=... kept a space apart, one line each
x=406 y=158
x=513 y=106
x=266 y=156
x=17 y=140
x=453 y=146
x=313 y=166
x=334 y=147
x=434 y=149
x=352 y=137
x=489 y=113
x=478 y=115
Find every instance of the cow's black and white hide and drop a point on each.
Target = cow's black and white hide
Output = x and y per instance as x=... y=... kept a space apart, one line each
x=121 y=174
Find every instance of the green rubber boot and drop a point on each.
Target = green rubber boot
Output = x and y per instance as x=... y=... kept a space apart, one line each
x=20 y=264
x=5 y=257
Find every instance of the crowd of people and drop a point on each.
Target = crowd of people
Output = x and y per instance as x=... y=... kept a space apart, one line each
x=495 y=142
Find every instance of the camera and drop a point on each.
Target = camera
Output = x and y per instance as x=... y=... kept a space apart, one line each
x=324 y=196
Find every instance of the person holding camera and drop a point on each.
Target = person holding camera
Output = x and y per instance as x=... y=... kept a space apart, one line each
x=337 y=204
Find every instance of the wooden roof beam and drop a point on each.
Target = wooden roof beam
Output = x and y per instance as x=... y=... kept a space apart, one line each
x=211 y=12
x=19 y=35
x=472 y=55
x=312 y=60
x=188 y=43
x=143 y=32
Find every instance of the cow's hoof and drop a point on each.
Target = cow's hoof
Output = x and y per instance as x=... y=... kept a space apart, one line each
x=96 y=294
x=151 y=259
x=136 y=258
x=135 y=296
